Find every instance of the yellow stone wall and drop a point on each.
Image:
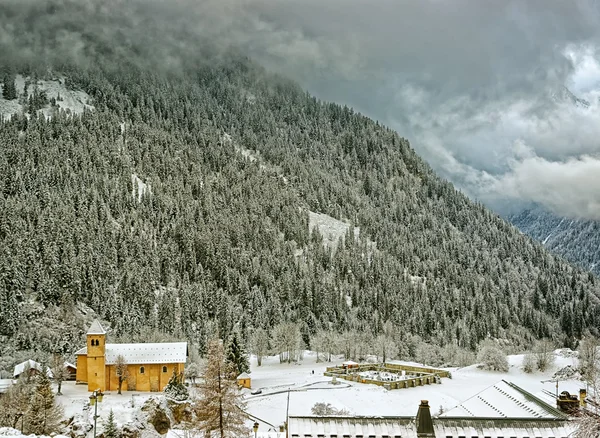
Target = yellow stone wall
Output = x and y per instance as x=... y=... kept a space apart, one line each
x=95 y=362
x=81 y=368
x=153 y=378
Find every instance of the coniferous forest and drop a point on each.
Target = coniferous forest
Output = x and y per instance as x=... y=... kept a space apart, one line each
x=149 y=211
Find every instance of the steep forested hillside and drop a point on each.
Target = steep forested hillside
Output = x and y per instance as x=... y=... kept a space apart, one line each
x=577 y=240
x=153 y=210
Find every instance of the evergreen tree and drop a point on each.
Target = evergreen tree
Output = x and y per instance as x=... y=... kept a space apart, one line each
x=175 y=389
x=9 y=89
x=110 y=427
x=44 y=414
x=237 y=356
x=219 y=407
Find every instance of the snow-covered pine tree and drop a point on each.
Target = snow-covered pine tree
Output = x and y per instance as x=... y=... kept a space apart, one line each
x=175 y=389
x=110 y=427
x=219 y=407
x=236 y=356
x=44 y=414
x=9 y=90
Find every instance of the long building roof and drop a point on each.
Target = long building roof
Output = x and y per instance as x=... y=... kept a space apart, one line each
x=505 y=400
x=137 y=354
x=405 y=427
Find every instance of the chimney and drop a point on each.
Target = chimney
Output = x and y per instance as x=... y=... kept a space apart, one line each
x=424 y=422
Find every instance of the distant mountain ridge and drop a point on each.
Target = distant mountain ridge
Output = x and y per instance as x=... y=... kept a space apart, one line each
x=577 y=240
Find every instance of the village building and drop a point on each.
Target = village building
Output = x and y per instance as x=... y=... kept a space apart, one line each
x=31 y=368
x=502 y=411
x=244 y=381
x=149 y=366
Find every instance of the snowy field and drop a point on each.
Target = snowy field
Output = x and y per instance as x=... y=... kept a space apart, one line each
x=307 y=388
x=306 y=385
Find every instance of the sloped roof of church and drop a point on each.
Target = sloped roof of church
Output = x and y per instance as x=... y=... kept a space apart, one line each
x=96 y=328
x=139 y=354
x=163 y=352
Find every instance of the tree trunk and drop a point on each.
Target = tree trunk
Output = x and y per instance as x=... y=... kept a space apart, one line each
x=259 y=359
x=120 y=384
x=59 y=388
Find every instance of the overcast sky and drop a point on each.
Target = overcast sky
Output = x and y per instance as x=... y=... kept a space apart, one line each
x=477 y=87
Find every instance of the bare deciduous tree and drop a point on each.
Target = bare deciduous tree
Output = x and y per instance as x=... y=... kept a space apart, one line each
x=259 y=344
x=544 y=354
x=219 y=407
x=121 y=370
x=59 y=372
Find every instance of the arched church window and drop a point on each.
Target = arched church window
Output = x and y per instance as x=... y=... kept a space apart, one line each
x=142 y=370
x=164 y=369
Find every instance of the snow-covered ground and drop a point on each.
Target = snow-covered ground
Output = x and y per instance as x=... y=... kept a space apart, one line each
x=307 y=385
x=307 y=388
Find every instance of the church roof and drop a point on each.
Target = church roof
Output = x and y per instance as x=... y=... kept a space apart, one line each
x=96 y=329
x=163 y=352
x=160 y=352
x=138 y=354
x=243 y=376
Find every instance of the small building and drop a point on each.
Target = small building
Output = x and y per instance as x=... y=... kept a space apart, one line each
x=31 y=367
x=149 y=366
x=71 y=371
x=5 y=385
x=244 y=381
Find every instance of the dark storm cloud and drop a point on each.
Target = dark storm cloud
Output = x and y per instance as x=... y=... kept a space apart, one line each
x=476 y=86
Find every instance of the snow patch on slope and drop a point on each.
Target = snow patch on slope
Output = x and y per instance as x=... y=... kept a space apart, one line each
x=72 y=101
x=330 y=228
x=139 y=188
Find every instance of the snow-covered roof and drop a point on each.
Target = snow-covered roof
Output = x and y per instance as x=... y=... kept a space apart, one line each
x=31 y=364
x=96 y=328
x=504 y=400
x=70 y=365
x=349 y=362
x=314 y=426
x=163 y=352
x=405 y=427
x=243 y=376
x=81 y=351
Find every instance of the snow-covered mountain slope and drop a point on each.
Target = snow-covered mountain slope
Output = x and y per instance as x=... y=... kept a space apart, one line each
x=577 y=240
x=563 y=95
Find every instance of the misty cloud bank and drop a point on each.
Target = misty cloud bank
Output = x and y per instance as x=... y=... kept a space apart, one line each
x=478 y=88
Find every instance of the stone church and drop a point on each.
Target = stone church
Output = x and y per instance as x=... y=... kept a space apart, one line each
x=150 y=366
